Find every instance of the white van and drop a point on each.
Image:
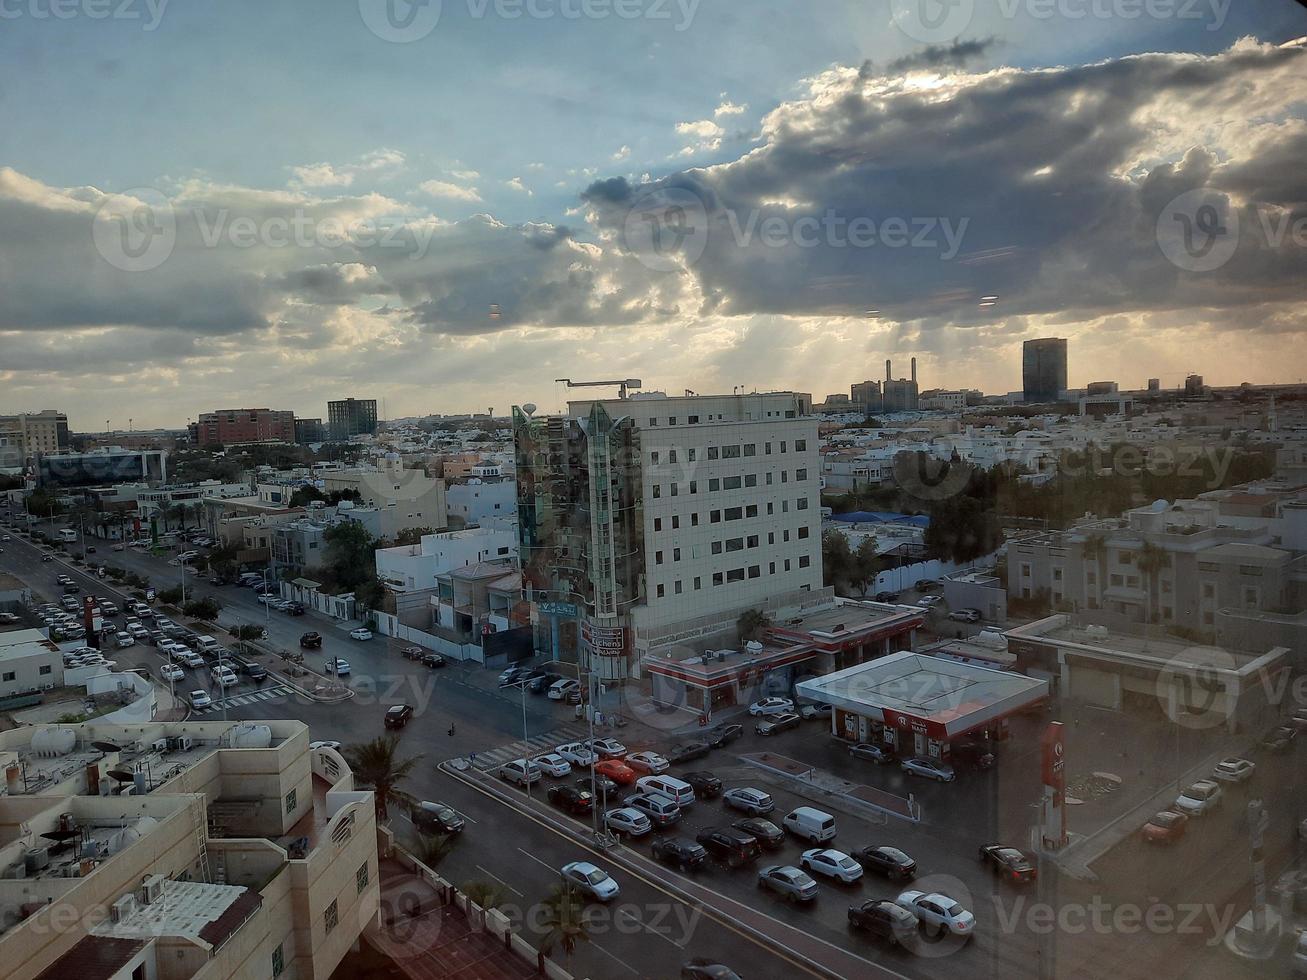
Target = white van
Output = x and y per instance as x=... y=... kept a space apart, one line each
x=206 y=644
x=810 y=824
x=559 y=690
x=678 y=790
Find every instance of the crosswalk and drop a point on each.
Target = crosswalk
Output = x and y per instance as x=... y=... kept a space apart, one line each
x=536 y=745
x=236 y=700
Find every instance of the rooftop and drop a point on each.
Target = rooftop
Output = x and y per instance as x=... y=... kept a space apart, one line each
x=849 y=620
x=193 y=910
x=93 y=958
x=1158 y=649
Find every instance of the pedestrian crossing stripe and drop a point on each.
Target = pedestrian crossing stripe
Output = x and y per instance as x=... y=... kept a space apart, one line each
x=237 y=700
x=533 y=746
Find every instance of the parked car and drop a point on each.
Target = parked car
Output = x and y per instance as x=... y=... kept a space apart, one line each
x=509 y=675
x=437 y=816
x=680 y=852
x=7 y=618
x=749 y=800
x=939 y=912
x=338 y=666
x=1279 y=740
x=788 y=882
x=886 y=597
x=769 y=836
x=561 y=689
x=603 y=787
x=888 y=862
x=171 y=672
x=810 y=824
x=929 y=769
x=553 y=764
x=520 y=771
x=724 y=735
x=576 y=753
x=606 y=748
x=616 y=770
x=585 y=877
x=771 y=706
x=809 y=712
x=831 y=863
x=662 y=811
x=1234 y=770
x=411 y=653
x=432 y=659
x=1199 y=799
x=361 y=633
x=874 y=753
x=311 y=641
x=627 y=820
x=1009 y=862
x=885 y=920
x=930 y=601
x=398 y=715
x=1166 y=827
x=688 y=752
x=702 y=968
x=570 y=799
x=124 y=640
x=706 y=786
x=776 y=724
x=201 y=700
x=729 y=846
x=965 y=616
x=647 y=763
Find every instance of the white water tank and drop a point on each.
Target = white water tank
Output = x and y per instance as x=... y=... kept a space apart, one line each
x=49 y=743
x=249 y=736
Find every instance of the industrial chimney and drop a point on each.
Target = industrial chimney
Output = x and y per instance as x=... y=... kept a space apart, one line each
x=914 y=370
x=889 y=370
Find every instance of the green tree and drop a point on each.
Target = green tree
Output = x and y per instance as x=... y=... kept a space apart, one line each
x=42 y=503
x=349 y=559
x=377 y=766
x=865 y=565
x=431 y=849
x=564 y=921
x=411 y=536
x=752 y=624
x=1151 y=561
x=205 y=609
x=836 y=558
x=171 y=596
x=484 y=893
x=305 y=495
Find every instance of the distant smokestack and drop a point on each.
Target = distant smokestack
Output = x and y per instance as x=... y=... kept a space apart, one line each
x=914 y=370
x=889 y=371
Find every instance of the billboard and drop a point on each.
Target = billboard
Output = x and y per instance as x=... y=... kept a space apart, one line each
x=604 y=641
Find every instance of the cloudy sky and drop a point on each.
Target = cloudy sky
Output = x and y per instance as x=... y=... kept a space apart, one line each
x=447 y=205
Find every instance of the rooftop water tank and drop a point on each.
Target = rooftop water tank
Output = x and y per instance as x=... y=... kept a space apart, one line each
x=50 y=742
x=249 y=736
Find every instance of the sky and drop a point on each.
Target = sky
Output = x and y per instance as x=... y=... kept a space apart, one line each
x=448 y=204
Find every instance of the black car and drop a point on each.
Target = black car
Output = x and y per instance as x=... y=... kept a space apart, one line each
x=680 y=852
x=688 y=752
x=398 y=715
x=604 y=787
x=255 y=672
x=295 y=609
x=412 y=653
x=971 y=755
x=886 y=597
x=437 y=817
x=542 y=682
x=1009 y=862
x=767 y=834
x=1279 y=740
x=571 y=799
x=884 y=920
x=432 y=659
x=731 y=847
x=724 y=735
x=311 y=641
x=887 y=861
x=705 y=969
x=706 y=786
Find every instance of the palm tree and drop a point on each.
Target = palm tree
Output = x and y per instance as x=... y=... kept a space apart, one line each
x=483 y=893
x=431 y=849
x=375 y=766
x=565 y=919
x=1152 y=559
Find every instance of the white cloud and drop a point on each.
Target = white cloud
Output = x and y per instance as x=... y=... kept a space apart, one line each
x=378 y=164
x=516 y=184
x=729 y=108
x=320 y=175
x=443 y=188
x=622 y=154
x=464 y=174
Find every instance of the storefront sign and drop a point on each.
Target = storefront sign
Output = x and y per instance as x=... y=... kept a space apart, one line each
x=558 y=609
x=911 y=723
x=604 y=641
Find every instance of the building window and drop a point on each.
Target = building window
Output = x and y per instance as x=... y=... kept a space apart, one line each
x=677 y=588
x=785 y=535
x=755 y=571
x=771 y=568
x=658 y=557
x=717 y=578
x=9 y=675
x=732 y=483
x=752 y=541
x=771 y=537
x=715 y=517
x=672 y=420
x=693 y=454
x=714 y=485
x=693 y=420
x=769 y=478
x=751 y=510
x=713 y=452
x=694 y=486
x=676 y=521
x=657 y=490
x=698 y=583
x=803 y=532
x=751 y=480
x=716 y=547
x=361 y=877
x=782 y=445
x=653 y=422
x=801 y=503
x=787 y=564
x=278 y=961
x=330 y=917
x=661 y=589
x=671 y=456
x=800 y=445
x=694 y=519
x=46 y=669
x=291 y=803
x=804 y=561
x=734 y=544
x=735 y=513
x=800 y=476
x=676 y=554
x=658 y=523
x=653 y=457
x=735 y=575
x=750 y=449
x=675 y=488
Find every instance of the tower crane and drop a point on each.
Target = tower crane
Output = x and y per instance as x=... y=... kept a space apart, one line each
x=621 y=385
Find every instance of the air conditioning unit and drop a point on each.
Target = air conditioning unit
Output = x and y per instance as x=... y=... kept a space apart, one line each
x=153 y=889
x=159 y=745
x=122 y=909
x=185 y=743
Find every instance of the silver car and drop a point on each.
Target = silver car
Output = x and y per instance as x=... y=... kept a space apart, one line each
x=930 y=769
x=788 y=882
x=749 y=800
x=627 y=820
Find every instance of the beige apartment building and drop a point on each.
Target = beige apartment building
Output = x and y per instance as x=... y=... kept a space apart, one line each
x=181 y=851
x=402 y=498
x=29 y=434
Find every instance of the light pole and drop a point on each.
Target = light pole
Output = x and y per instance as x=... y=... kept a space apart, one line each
x=267 y=606
x=526 y=749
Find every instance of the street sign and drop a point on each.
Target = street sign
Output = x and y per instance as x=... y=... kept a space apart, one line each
x=604 y=641
x=568 y=609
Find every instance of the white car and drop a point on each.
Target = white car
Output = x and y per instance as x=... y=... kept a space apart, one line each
x=170 y=647
x=190 y=658
x=607 y=748
x=138 y=630
x=771 y=706
x=171 y=672
x=930 y=601
x=585 y=877
x=201 y=700
x=929 y=768
x=124 y=640
x=338 y=667
x=362 y=633
x=553 y=764
x=1234 y=770
x=647 y=763
x=576 y=753
x=1201 y=798
x=832 y=864
x=628 y=820
x=224 y=676
x=939 y=911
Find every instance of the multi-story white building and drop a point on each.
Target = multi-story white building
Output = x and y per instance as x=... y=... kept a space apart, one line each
x=479 y=500
x=403 y=498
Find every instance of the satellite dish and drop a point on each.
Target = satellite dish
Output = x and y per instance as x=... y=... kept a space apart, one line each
x=529 y=408
x=106 y=746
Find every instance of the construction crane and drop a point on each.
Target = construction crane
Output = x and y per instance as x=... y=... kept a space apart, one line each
x=621 y=385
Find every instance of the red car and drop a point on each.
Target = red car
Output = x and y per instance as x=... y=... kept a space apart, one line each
x=1166 y=827
x=617 y=770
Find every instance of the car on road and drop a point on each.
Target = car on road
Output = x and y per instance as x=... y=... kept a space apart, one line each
x=930 y=601
x=311 y=641
x=338 y=666
x=748 y=800
x=1234 y=770
x=325 y=743
x=576 y=753
x=585 y=877
x=724 y=734
x=769 y=836
x=937 y=911
x=412 y=653
x=701 y=968
x=295 y=609
x=1009 y=862
x=729 y=846
x=171 y=672
x=223 y=676
x=553 y=764
x=432 y=659
x=606 y=748
x=929 y=769
x=788 y=882
x=541 y=683
x=521 y=771
x=771 y=706
x=201 y=700
x=47 y=558
x=688 y=752
x=7 y=618
x=965 y=616
x=616 y=770
x=680 y=852
x=831 y=863
x=361 y=633
x=706 y=786
x=775 y=724
x=440 y=817
x=1199 y=799
x=398 y=715
x=1280 y=739
x=627 y=820
x=647 y=763
x=509 y=675
x=885 y=920
x=190 y=658
x=124 y=640
x=886 y=861
x=570 y=798
x=602 y=787
x=1166 y=827
x=873 y=753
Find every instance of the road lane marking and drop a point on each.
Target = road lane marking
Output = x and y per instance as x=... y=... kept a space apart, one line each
x=491 y=874
x=621 y=961
x=647 y=928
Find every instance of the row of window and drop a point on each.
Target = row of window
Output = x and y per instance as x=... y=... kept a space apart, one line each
x=732 y=513
x=694 y=419
x=732 y=545
x=727 y=452
x=734 y=575
x=730 y=483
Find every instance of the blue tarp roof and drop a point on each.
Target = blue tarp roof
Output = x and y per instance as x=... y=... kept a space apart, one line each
x=881 y=517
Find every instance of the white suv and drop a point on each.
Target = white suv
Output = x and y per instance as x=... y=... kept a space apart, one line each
x=1202 y=797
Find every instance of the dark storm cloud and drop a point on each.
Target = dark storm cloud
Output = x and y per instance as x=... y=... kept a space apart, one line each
x=941 y=56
